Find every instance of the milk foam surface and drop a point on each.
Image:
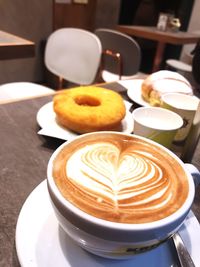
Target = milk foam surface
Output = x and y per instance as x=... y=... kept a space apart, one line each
x=105 y=173
x=121 y=181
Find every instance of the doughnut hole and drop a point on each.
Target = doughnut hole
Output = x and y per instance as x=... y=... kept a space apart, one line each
x=86 y=100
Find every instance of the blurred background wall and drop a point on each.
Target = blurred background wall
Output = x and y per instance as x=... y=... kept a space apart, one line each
x=36 y=19
x=30 y=19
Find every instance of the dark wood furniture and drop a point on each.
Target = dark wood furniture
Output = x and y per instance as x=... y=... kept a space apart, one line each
x=73 y=14
x=23 y=159
x=161 y=37
x=12 y=46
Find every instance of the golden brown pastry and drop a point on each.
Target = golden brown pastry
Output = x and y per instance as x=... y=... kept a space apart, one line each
x=89 y=108
x=162 y=82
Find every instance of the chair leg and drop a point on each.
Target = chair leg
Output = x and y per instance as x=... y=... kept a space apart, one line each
x=116 y=56
x=60 y=83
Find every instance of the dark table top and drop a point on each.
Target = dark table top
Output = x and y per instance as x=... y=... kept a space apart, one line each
x=12 y=46
x=152 y=33
x=23 y=159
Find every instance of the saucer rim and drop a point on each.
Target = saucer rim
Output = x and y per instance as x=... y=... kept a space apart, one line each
x=49 y=211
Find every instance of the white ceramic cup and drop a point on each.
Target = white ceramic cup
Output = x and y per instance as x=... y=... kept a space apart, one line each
x=112 y=239
x=186 y=107
x=157 y=124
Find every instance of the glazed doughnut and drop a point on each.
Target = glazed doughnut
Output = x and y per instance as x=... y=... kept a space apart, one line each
x=89 y=108
x=162 y=82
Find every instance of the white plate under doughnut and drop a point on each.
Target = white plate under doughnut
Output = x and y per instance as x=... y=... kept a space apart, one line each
x=46 y=118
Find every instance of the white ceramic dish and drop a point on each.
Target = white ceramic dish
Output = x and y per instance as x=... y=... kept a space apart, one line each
x=41 y=242
x=134 y=91
x=46 y=118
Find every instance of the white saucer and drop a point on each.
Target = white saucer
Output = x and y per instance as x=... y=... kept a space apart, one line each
x=40 y=242
x=46 y=118
x=134 y=91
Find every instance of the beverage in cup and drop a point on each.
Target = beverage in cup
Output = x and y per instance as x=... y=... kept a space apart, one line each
x=117 y=195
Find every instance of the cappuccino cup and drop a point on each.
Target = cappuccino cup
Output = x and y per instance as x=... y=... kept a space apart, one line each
x=117 y=195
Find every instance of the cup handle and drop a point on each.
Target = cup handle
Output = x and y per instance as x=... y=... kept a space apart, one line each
x=194 y=172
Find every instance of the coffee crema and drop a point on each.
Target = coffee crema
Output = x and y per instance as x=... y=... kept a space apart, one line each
x=120 y=178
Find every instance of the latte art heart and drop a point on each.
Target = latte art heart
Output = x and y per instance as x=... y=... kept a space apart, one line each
x=123 y=181
x=127 y=180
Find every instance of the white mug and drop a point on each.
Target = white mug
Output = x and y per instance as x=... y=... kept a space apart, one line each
x=109 y=238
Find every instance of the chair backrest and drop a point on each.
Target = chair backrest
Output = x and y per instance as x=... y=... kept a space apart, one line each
x=73 y=54
x=123 y=44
